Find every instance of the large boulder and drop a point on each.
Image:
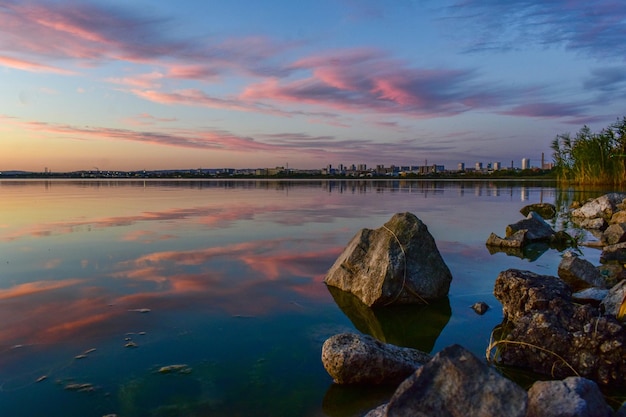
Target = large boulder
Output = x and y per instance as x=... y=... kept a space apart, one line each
x=571 y=397
x=351 y=358
x=579 y=273
x=399 y=263
x=545 y=331
x=455 y=383
x=603 y=206
x=545 y=210
x=536 y=228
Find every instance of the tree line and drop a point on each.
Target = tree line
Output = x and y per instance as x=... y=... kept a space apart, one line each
x=592 y=158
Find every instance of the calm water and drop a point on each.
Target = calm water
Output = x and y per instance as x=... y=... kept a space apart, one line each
x=102 y=283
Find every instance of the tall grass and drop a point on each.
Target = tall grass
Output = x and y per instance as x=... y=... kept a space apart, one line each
x=592 y=158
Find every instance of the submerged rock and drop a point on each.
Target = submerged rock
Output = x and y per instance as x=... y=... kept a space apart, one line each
x=398 y=263
x=351 y=358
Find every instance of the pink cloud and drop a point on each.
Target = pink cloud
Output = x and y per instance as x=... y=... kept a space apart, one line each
x=25 y=65
x=28 y=289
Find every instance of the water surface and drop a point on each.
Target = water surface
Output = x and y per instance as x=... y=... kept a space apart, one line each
x=103 y=283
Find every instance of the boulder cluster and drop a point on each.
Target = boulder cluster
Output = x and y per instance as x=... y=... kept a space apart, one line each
x=568 y=327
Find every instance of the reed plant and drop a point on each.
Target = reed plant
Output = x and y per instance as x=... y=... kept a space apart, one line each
x=592 y=158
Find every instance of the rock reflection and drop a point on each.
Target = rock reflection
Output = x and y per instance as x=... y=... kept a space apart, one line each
x=415 y=326
x=532 y=251
x=351 y=400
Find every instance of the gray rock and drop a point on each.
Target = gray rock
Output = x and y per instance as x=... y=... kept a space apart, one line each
x=615 y=252
x=554 y=336
x=603 y=206
x=516 y=240
x=398 y=263
x=612 y=303
x=350 y=358
x=579 y=273
x=456 y=383
x=380 y=411
x=536 y=228
x=545 y=210
x=597 y=223
x=571 y=397
x=590 y=295
x=615 y=233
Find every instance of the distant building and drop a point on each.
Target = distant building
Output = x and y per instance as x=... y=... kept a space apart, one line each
x=461 y=166
x=525 y=163
x=479 y=166
x=497 y=166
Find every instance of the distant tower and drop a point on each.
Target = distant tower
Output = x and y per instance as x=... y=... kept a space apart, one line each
x=543 y=161
x=461 y=166
x=525 y=163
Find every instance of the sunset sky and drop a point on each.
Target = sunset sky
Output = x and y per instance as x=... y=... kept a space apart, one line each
x=119 y=85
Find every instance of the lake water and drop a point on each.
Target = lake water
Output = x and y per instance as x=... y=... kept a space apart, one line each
x=103 y=283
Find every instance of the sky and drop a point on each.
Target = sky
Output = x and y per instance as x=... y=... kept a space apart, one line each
x=156 y=84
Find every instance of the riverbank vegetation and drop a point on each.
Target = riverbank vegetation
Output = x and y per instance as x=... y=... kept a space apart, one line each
x=592 y=158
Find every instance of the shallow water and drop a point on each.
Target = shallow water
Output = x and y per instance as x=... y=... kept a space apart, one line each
x=102 y=283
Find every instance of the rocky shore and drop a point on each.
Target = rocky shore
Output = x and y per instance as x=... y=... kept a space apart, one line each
x=569 y=327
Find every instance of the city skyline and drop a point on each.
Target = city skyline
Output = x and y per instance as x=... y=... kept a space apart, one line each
x=160 y=85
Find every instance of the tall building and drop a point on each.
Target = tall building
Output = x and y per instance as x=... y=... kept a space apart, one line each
x=479 y=166
x=461 y=166
x=525 y=163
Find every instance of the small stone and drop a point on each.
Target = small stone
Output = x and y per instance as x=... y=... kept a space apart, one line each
x=480 y=307
x=130 y=344
x=179 y=368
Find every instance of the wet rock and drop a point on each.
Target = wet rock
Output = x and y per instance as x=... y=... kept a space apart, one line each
x=536 y=228
x=455 y=383
x=516 y=240
x=603 y=206
x=554 y=336
x=597 y=223
x=590 y=296
x=579 y=273
x=614 y=302
x=615 y=252
x=480 y=307
x=615 y=233
x=545 y=210
x=574 y=396
x=399 y=263
x=351 y=358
